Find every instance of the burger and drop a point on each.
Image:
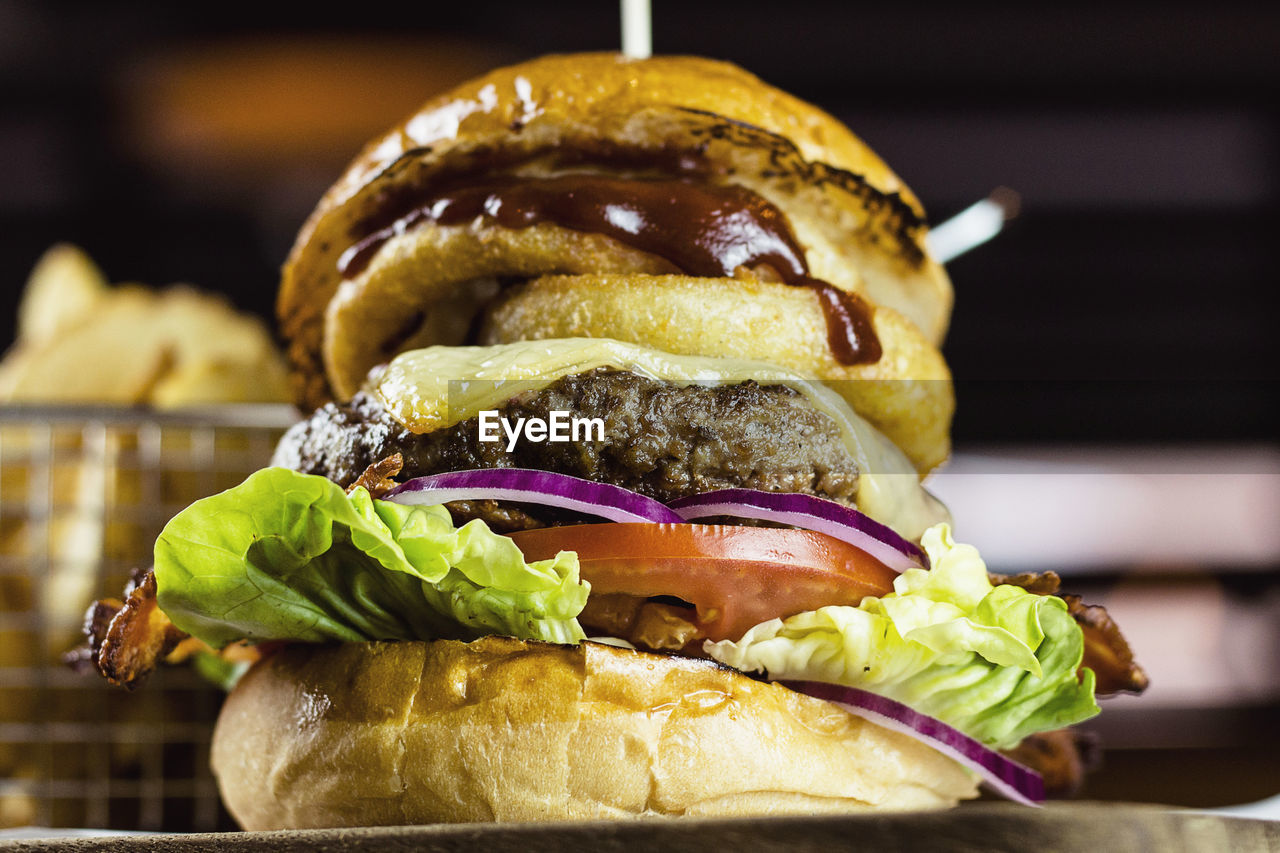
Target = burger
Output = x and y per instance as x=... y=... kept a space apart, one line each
x=624 y=376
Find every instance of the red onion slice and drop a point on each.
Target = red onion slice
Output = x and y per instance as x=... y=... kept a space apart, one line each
x=545 y=488
x=1004 y=776
x=810 y=513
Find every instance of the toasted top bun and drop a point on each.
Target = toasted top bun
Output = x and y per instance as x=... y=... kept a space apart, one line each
x=499 y=729
x=859 y=227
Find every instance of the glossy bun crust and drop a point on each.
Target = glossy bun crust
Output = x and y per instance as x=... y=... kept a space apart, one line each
x=499 y=729
x=859 y=227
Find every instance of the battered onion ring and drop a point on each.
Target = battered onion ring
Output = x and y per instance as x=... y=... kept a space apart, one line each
x=907 y=394
x=428 y=287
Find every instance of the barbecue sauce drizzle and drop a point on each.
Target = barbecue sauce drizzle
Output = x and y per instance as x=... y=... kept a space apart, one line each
x=703 y=229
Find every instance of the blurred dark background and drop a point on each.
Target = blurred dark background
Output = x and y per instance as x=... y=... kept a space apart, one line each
x=1130 y=304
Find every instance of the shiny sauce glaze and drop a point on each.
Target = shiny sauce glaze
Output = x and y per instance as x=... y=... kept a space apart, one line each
x=703 y=229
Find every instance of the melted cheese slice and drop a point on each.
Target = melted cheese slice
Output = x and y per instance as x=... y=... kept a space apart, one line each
x=437 y=387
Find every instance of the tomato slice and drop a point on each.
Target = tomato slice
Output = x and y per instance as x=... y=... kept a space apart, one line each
x=735 y=577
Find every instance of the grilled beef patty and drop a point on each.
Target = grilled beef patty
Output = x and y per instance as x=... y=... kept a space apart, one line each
x=662 y=440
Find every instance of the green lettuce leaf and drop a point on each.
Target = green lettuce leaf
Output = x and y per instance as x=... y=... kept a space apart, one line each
x=996 y=662
x=289 y=556
x=217 y=670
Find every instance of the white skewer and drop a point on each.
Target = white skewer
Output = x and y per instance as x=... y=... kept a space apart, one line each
x=637 y=33
x=974 y=225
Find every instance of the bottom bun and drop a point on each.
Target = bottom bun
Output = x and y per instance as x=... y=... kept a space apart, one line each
x=499 y=729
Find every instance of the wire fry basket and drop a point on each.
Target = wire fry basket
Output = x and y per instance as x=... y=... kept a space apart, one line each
x=83 y=494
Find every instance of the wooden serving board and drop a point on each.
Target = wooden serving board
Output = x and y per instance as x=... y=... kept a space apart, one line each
x=1091 y=827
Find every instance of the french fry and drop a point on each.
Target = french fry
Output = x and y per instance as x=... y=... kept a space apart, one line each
x=62 y=291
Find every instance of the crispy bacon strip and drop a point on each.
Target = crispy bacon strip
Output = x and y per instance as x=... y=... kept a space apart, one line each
x=1105 y=650
x=377 y=478
x=1044 y=583
x=500 y=518
x=84 y=658
x=643 y=622
x=137 y=636
x=125 y=641
x=1061 y=757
